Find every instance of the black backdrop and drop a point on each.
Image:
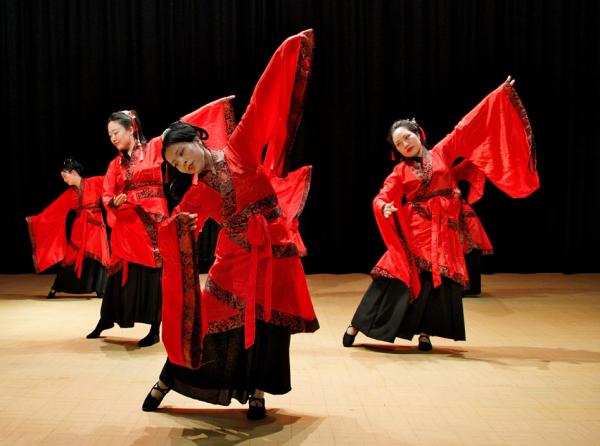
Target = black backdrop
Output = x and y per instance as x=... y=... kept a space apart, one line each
x=65 y=65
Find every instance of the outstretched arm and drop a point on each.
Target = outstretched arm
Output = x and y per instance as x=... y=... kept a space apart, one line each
x=274 y=112
x=496 y=137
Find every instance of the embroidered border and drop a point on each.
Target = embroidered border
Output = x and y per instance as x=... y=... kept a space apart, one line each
x=295 y=324
x=425 y=265
x=150 y=227
x=302 y=76
x=518 y=105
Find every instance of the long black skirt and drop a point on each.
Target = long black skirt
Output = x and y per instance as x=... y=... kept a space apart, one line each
x=231 y=371
x=139 y=300
x=385 y=312
x=473 y=262
x=93 y=279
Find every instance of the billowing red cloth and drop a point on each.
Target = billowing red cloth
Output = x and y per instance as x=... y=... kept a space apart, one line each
x=134 y=224
x=47 y=230
x=496 y=138
x=257 y=272
x=474 y=236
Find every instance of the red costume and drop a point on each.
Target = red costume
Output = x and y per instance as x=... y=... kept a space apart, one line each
x=495 y=137
x=473 y=234
x=257 y=274
x=88 y=233
x=134 y=235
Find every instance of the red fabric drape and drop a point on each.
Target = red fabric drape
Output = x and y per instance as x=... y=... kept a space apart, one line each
x=47 y=230
x=257 y=273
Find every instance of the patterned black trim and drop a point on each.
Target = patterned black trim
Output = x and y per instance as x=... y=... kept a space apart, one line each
x=191 y=327
x=425 y=265
x=518 y=105
x=115 y=267
x=132 y=186
x=236 y=225
x=303 y=72
x=229 y=114
x=148 y=220
x=285 y=250
x=150 y=193
x=377 y=271
x=294 y=324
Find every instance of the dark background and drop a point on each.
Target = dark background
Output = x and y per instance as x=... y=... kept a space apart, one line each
x=66 y=65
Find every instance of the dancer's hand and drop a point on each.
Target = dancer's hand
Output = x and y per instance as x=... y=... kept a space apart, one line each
x=188 y=220
x=510 y=80
x=119 y=200
x=388 y=208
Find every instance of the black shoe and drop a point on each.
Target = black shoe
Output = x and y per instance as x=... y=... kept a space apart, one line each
x=256 y=409
x=348 y=339
x=51 y=294
x=424 y=344
x=99 y=329
x=150 y=403
x=148 y=340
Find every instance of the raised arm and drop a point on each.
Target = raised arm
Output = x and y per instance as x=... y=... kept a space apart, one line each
x=275 y=107
x=496 y=137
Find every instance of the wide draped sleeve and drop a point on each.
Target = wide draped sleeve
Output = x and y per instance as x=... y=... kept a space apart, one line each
x=47 y=231
x=275 y=108
x=398 y=261
x=496 y=137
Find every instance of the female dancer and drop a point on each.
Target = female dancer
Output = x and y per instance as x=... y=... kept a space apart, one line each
x=84 y=257
x=417 y=284
x=231 y=340
x=135 y=205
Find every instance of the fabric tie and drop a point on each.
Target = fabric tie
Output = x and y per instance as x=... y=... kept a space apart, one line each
x=260 y=248
x=438 y=206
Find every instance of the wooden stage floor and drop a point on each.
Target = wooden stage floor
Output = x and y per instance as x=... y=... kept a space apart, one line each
x=528 y=374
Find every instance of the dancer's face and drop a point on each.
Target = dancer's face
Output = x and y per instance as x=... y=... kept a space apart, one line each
x=407 y=142
x=70 y=177
x=187 y=157
x=121 y=137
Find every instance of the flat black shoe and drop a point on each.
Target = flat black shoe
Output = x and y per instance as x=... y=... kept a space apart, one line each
x=256 y=409
x=148 y=340
x=99 y=329
x=150 y=403
x=51 y=294
x=348 y=339
x=424 y=344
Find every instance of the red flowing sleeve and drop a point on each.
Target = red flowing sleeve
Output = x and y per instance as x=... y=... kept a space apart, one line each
x=496 y=138
x=467 y=171
x=398 y=261
x=217 y=118
x=275 y=107
x=47 y=231
x=292 y=192
x=181 y=292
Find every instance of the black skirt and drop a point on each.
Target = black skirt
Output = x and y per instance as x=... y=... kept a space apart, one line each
x=231 y=371
x=139 y=300
x=385 y=312
x=473 y=262
x=93 y=279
